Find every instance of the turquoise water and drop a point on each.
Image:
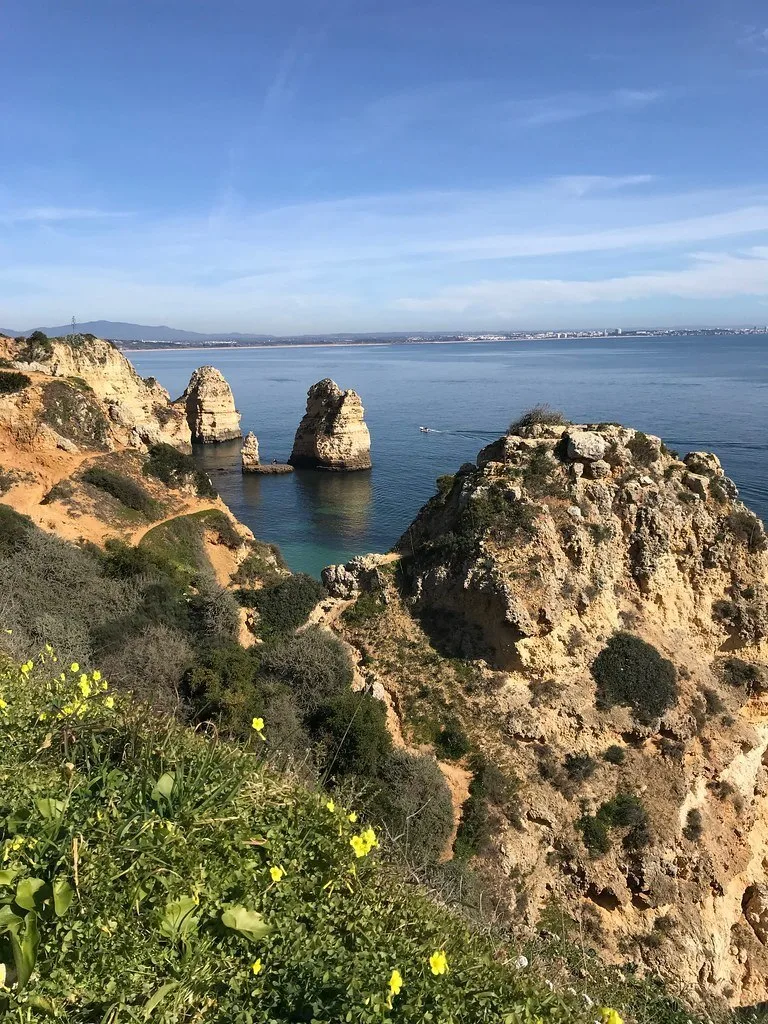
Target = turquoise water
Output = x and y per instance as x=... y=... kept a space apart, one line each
x=697 y=393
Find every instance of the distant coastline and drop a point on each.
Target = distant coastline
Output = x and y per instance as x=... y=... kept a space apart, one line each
x=225 y=347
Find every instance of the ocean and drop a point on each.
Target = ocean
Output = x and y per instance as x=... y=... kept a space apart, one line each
x=697 y=393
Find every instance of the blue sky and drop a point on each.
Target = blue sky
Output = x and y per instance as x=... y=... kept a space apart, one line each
x=340 y=165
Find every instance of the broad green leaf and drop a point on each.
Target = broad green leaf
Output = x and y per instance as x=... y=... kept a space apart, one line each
x=30 y=893
x=50 y=808
x=63 y=894
x=163 y=786
x=178 y=919
x=151 y=1005
x=249 y=923
x=25 y=951
x=9 y=922
x=44 y=1005
x=7 y=875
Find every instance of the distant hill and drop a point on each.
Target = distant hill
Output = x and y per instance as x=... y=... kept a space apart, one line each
x=117 y=331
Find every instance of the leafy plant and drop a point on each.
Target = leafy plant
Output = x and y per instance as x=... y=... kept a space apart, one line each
x=127 y=491
x=178 y=470
x=11 y=382
x=631 y=672
x=284 y=606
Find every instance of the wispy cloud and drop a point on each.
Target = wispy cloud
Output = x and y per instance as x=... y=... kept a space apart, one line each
x=756 y=38
x=570 y=106
x=52 y=214
x=708 y=276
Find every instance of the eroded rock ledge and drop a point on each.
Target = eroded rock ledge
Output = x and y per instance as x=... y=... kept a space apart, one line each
x=332 y=435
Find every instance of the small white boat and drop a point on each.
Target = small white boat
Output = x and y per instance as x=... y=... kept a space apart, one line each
x=426 y=430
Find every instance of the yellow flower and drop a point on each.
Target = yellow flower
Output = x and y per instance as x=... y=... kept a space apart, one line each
x=74 y=667
x=96 y=676
x=3 y=704
x=257 y=724
x=109 y=702
x=352 y=816
x=276 y=873
x=256 y=966
x=609 y=1016
x=438 y=963
x=84 y=685
x=330 y=806
x=395 y=982
x=370 y=838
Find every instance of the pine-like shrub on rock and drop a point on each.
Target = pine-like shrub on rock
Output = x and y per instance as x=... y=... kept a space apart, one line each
x=286 y=605
x=351 y=731
x=631 y=672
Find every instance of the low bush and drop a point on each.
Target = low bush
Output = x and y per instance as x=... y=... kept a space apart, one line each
x=489 y=787
x=579 y=767
x=414 y=804
x=127 y=491
x=623 y=811
x=694 y=826
x=263 y=564
x=286 y=605
x=314 y=666
x=747 y=528
x=351 y=731
x=631 y=672
x=13 y=382
x=452 y=741
x=644 y=451
x=366 y=609
x=176 y=469
x=538 y=414
x=615 y=755
x=743 y=674
x=15 y=529
x=37 y=348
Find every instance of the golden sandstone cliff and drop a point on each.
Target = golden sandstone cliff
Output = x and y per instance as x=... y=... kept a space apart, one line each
x=591 y=611
x=332 y=435
x=210 y=407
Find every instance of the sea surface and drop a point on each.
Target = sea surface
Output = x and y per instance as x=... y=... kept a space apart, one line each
x=695 y=392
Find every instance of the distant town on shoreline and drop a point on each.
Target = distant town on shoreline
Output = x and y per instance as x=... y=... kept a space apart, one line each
x=141 y=337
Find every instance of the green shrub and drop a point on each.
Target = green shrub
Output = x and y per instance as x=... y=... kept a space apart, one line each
x=15 y=529
x=351 y=730
x=452 y=741
x=75 y=414
x=744 y=674
x=615 y=755
x=579 y=767
x=314 y=666
x=489 y=787
x=747 y=528
x=263 y=564
x=37 y=348
x=127 y=491
x=694 y=826
x=413 y=804
x=623 y=811
x=176 y=469
x=444 y=484
x=538 y=414
x=644 y=451
x=13 y=382
x=286 y=605
x=594 y=834
x=366 y=609
x=631 y=672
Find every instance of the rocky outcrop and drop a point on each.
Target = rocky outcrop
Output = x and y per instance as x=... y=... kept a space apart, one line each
x=362 y=573
x=250 y=459
x=249 y=453
x=332 y=435
x=530 y=564
x=209 y=406
x=140 y=411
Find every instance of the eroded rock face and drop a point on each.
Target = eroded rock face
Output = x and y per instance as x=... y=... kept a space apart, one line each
x=332 y=435
x=210 y=407
x=250 y=452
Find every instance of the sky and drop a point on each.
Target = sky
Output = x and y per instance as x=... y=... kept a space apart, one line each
x=360 y=165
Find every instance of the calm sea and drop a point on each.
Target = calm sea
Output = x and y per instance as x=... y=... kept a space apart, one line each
x=696 y=392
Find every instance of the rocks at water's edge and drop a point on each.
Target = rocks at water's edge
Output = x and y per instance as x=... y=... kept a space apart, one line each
x=210 y=407
x=332 y=435
x=250 y=459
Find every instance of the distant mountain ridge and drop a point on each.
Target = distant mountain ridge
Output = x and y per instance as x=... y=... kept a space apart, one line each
x=118 y=331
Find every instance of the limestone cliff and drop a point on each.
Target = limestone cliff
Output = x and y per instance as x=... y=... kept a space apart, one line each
x=332 y=435
x=209 y=406
x=249 y=453
x=593 y=611
x=139 y=410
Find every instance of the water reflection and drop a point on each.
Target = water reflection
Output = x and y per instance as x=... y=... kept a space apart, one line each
x=336 y=503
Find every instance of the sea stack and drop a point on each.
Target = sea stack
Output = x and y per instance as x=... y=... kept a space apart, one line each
x=332 y=435
x=210 y=407
x=250 y=453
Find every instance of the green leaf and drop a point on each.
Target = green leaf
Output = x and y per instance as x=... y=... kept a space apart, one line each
x=7 y=875
x=63 y=894
x=151 y=1005
x=164 y=786
x=30 y=893
x=50 y=808
x=44 y=1005
x=25 y=950
x=249 y=923
x=9 y=922
x=178 y=919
